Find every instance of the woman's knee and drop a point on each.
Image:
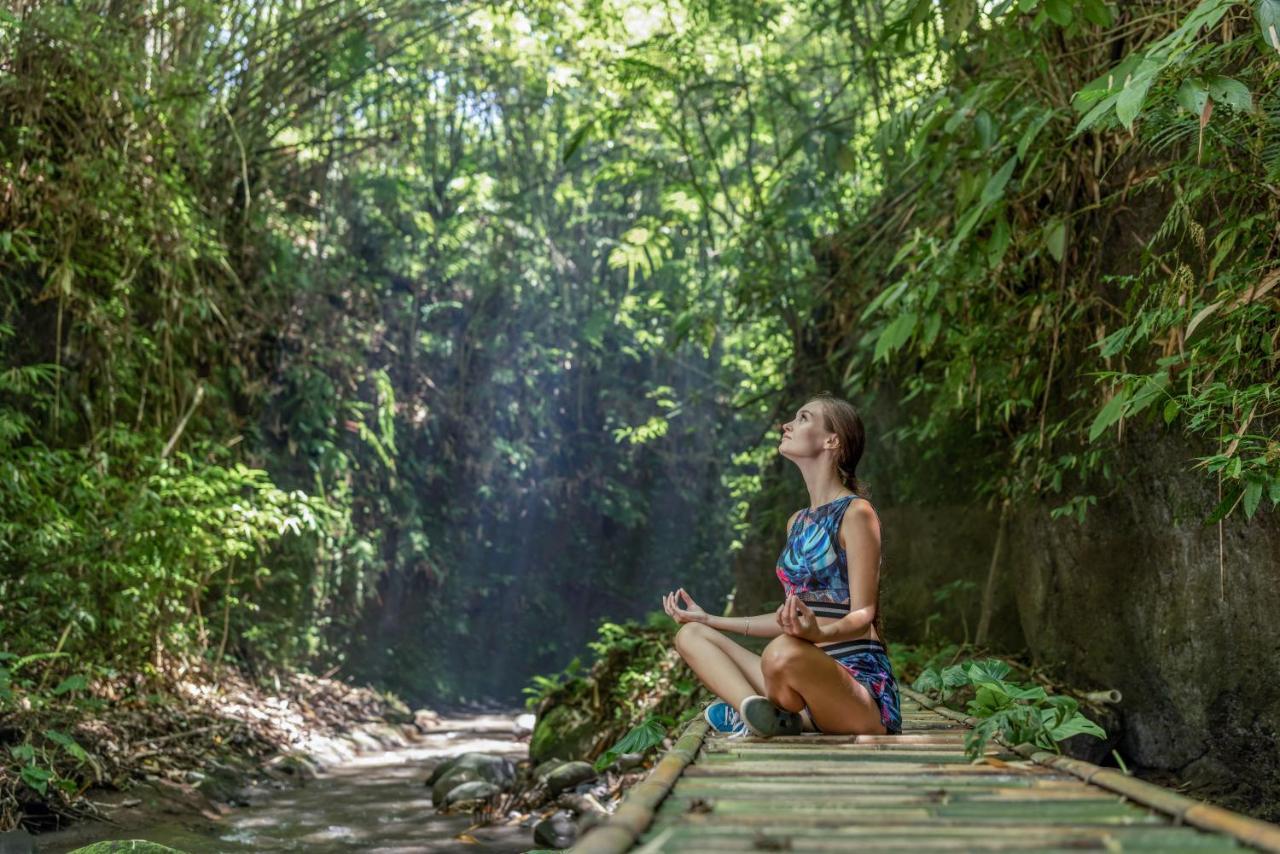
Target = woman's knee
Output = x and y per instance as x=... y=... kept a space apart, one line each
x=691 y=633
x=781 y=653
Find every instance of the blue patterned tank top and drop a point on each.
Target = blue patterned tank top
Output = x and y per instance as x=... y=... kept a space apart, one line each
x=813 y=564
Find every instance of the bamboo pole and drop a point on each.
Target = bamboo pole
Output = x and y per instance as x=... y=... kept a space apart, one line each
x=620 y=831
x=1182 y=809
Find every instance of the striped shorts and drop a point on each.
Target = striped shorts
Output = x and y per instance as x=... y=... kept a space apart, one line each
x=868 y=662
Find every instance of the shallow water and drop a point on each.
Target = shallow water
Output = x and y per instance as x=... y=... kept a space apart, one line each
x=375 y=802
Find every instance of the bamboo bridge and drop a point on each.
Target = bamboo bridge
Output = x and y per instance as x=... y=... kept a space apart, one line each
x=911 y=792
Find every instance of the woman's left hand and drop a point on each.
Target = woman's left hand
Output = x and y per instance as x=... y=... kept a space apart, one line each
x=797 y=620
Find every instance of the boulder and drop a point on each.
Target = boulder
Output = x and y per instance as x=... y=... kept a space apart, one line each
x=439 y=769
x=543 y=771
x=628 y=761
x=450 y=780
x=561 y=733
x=476 y=790
x=558 y=831
x=425 y=720
x=494 y=769
x=568 y=775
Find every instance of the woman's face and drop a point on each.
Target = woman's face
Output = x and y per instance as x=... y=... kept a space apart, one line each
x=804 y=435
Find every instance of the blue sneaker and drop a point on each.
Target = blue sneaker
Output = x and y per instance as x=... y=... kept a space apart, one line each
x=725 y=718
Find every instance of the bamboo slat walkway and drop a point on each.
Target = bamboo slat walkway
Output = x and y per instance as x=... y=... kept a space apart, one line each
x=910 y=792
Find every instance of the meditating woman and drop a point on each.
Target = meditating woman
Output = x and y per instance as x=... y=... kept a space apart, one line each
x=826 y=668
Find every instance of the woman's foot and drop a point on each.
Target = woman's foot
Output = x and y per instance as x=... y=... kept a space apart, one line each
x=724 y=718
x=765 y=719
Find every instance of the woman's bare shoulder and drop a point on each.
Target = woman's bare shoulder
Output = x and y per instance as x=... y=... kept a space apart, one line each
x=860 y=518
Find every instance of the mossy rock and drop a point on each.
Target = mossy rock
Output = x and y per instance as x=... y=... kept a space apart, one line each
x=137 y=846
x=561 y=734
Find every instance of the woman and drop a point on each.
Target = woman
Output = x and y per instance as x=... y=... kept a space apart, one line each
x=827 y=667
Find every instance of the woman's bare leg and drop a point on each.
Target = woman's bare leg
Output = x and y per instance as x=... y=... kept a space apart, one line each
x=797 y=673
x=731 y=671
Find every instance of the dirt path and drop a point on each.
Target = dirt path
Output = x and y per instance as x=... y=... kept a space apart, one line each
x=376 y=802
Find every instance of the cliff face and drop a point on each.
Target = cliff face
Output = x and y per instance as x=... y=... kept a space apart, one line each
x=1180 y=617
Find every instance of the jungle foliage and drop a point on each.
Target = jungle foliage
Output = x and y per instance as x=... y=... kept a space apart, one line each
x=414 y=338
x=1086 y=216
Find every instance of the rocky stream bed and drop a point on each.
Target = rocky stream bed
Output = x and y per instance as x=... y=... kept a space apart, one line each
x=379 y=800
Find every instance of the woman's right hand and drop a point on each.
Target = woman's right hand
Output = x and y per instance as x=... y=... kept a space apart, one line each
x=690 y=613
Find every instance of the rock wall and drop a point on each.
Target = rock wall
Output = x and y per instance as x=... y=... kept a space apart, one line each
x=1144 y=598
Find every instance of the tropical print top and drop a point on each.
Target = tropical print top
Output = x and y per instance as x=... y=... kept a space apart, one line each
x=813 y=565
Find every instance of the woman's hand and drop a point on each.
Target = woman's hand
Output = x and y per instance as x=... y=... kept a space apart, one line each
x=690 y=613
x=796 y=619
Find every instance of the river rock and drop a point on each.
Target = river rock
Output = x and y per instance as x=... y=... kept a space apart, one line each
x=439 y=769
x=543 y=771
x=562 y=733
x=558 y=831
x=133 y=846
x=425 y=720
x=569 y=775
x=493 y=769
x=627 y=761
x=476 y=790
x=523 y=724
x=498 y=770
x=450 y=780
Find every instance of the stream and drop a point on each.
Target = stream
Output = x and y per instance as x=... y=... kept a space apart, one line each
x=375 y=802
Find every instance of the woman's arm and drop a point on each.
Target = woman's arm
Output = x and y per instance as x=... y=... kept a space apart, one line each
x=758 y=626
x=860 y=535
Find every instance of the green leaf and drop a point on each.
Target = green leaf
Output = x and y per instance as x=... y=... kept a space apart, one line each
x=1129 y=104
x=1055 y=239
x=1268 y=14
x=36 y=777
x=1192 y=95
x=1096 y=114
x=928 y=681
x=1097 y=12
x=1170 y=410
x=71 y=683
x=1059 y=11
x=955 y=676
x=895 y=335
x=1150 y=390
x=1033 y=692
x=1226 y=90
x=645 y=735
x=1252 y=495
x=1110 y=414
x=575 y=141
x=989 y=670
x=67 y=743
x=1074 y=726
x=1029 y=135
x=994 y=188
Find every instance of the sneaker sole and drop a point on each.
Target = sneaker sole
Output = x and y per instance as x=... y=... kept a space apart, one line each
x=765 y=719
